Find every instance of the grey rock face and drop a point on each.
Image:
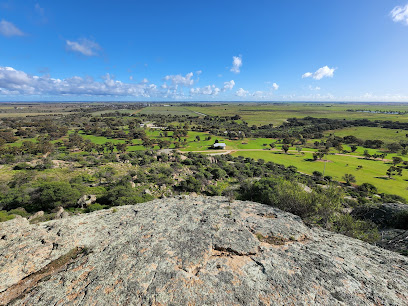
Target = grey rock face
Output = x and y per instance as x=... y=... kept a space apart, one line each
x=193 y=251
x=37 y=215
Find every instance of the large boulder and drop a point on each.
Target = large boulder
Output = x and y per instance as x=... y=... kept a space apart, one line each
x=38 y=214
x=193 y=251
x=86 y=200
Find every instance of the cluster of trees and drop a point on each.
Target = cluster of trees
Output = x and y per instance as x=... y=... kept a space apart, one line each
x=393 y=112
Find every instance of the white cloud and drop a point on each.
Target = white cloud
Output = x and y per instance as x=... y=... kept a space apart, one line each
x=259 y=94
x=15 y=82
x=216 y=91
x=84 y=46
x=314 y=88
x=400 y=14
x=307 y=75
x=263 y=95
x=206 y=90
x=320 y=73
x=236 y=64
x=180 y=80
x=131 y=78
x=212 y=89
x=241 y=92
x=8 y=29
x=228 y=85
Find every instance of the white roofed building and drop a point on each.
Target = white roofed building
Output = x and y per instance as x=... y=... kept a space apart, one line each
x=219 y=145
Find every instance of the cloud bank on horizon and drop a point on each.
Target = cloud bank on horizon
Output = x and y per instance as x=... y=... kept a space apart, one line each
x=130 y=64
x=15 y=82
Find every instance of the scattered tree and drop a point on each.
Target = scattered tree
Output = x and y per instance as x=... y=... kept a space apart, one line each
x=349 y=178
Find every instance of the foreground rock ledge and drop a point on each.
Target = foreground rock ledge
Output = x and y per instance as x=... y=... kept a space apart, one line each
x=193 y=250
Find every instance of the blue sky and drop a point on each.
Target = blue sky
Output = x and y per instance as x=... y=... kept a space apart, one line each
x=276 y=50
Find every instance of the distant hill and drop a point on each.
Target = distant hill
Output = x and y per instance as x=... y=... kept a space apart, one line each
x=193 y=251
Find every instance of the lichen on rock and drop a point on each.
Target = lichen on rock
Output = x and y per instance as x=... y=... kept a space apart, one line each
x=193 y=250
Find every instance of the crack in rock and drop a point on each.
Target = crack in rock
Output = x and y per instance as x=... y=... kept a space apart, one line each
x=231 y=251
x=28 y=283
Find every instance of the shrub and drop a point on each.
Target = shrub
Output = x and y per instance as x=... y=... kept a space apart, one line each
x=286 y=195
x=349 y=178
x=94 y=207
x=321 y=206
x=401 y=220
x=190 y=184
x=50 y=195
x=213 y=190
x=125 y=195
x=16 y=197
x=366 y=189
x=22 y=166
x=391 y=198
x=19 y=211
x=4 y=216
x=363 y=230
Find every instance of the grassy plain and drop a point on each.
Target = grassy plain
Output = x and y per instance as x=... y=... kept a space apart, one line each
x=35 y=109
x=276 y=113
x=373 y=171
x=168 y=110
x=364 y=133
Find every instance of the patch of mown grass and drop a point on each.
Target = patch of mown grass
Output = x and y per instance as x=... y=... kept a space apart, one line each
x=372 y=171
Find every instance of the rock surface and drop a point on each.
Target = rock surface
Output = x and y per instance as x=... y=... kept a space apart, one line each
x=193 y=251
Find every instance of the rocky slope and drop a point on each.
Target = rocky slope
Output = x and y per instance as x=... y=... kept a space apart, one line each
x=193 y=251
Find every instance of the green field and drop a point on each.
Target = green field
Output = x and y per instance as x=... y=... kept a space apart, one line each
x=364 y=133
x=168 y=110
x=373 y=172
x=123 y=111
